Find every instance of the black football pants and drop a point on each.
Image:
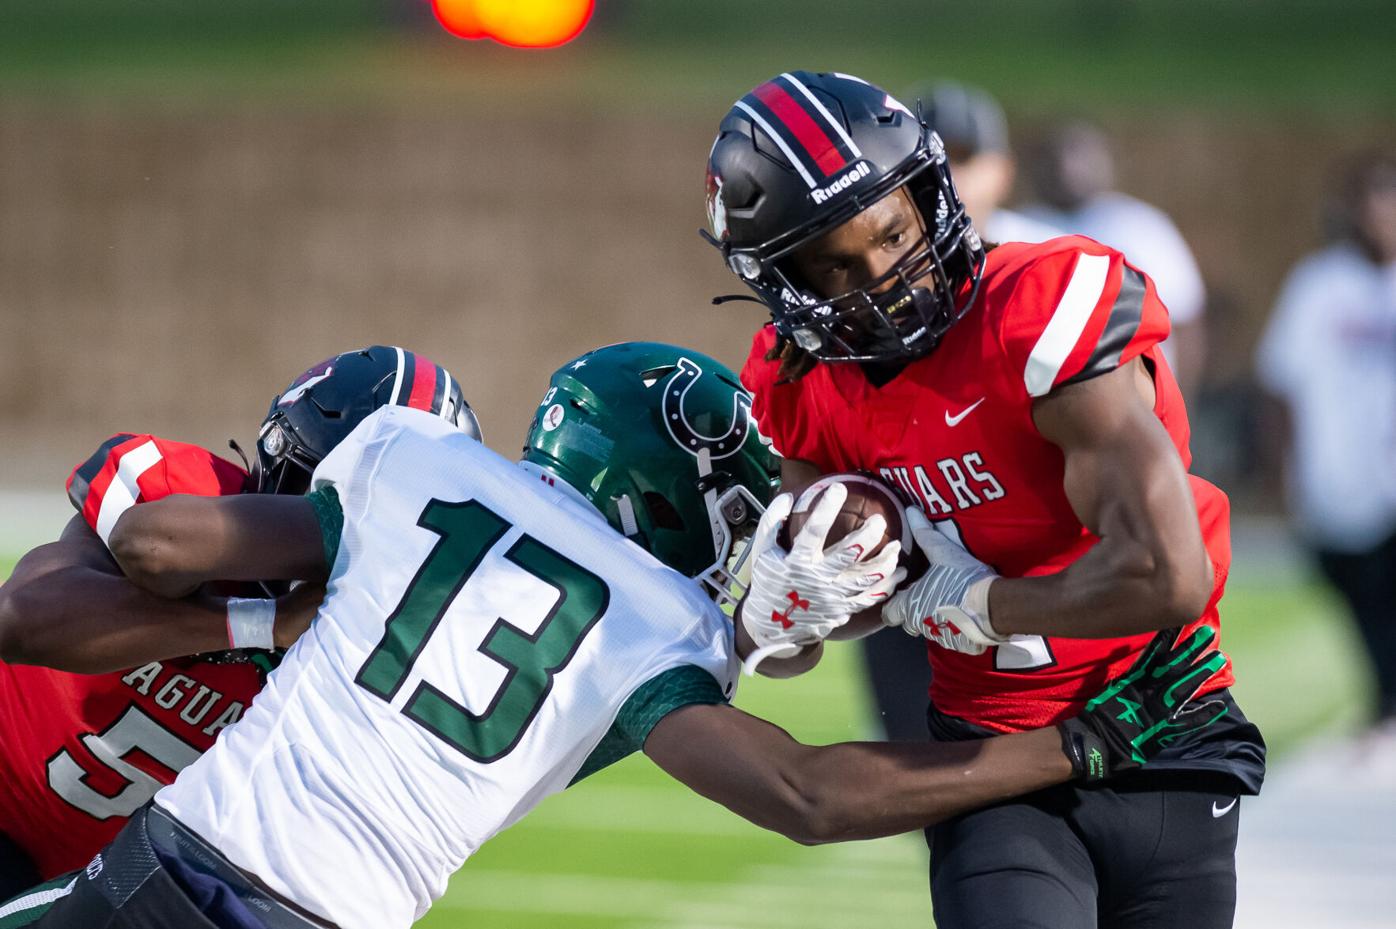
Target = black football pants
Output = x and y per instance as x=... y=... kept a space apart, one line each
x=130 y=886
x=1367 y=580
x=899 y=674
x=1099 y=858
x=17 y=872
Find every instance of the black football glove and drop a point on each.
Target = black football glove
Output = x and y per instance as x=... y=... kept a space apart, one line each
x=1147 y=708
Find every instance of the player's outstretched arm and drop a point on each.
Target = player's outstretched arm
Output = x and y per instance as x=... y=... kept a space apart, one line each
x=174 y=545
x=864 y=790
x=67 y=606
x=852 y=790
x=1126 y=483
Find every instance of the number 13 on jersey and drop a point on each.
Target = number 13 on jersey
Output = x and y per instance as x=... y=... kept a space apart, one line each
x=468 y=531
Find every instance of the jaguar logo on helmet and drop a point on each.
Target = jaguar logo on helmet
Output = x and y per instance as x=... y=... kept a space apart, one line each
x=717 y=210
x=892 y=103
x=685 y=433
x=306 y=381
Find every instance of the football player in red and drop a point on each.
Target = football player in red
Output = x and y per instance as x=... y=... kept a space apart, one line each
x=1017 y=397
x=100 y=704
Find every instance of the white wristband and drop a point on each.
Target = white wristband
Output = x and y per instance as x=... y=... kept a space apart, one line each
x=251 y=623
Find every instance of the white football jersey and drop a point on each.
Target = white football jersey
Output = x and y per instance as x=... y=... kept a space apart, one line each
x=482 y=634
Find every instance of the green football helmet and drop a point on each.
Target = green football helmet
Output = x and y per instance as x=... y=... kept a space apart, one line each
x=661 y=440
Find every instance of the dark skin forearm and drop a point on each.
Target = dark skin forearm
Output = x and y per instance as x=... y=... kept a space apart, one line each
x=67 y=606
x=172 y=546
x=852 y=790
x=1124 y=480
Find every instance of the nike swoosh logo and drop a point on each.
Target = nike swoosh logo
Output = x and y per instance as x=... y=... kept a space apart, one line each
x=1219 y=811
x=953 y=421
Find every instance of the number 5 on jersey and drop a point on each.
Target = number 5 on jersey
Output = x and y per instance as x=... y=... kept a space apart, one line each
x=468 y=532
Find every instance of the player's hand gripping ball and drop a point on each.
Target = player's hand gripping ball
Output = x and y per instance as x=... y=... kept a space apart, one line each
x=949 y=603
x=867 y=497
x=808 y=579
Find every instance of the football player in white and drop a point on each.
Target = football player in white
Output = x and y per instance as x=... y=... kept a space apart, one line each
x=494 y=632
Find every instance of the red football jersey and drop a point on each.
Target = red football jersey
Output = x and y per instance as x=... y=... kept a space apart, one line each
x=954 y=432
x=85 y=751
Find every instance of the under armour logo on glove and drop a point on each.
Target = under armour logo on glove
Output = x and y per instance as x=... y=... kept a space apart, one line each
x=939 y=629
x=949 y=604
x=795 y=604
x=810 y=591
x=967 y=636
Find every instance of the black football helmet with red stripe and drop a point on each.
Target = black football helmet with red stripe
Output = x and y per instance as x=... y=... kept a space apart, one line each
x=802 y=154
x=322 y=406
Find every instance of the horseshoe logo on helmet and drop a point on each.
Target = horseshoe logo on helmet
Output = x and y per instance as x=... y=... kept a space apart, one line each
x=682 y=430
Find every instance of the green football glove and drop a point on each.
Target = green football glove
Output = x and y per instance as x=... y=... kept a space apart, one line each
x=1146 y=709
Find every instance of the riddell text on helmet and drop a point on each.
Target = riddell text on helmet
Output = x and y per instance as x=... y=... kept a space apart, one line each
x=854 y=174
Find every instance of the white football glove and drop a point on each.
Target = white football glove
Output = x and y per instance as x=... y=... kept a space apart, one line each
x=799 y=597
x=949 y=604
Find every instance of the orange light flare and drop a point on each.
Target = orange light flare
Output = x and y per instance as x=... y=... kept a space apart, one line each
x=517 y=23
x=458 y=17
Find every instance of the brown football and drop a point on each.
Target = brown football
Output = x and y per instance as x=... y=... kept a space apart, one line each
x=867 y=496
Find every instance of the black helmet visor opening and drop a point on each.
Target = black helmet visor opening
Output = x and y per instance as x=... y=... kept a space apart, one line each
x=901 y=314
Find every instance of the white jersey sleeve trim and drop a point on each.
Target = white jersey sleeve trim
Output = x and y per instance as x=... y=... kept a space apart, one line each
x=36 y=899
x=122 y=493
x=1067 y=323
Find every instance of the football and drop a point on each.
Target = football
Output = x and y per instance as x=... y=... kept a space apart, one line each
x=867 y=497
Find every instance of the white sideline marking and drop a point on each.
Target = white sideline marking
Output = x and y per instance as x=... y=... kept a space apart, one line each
x=1316 y=846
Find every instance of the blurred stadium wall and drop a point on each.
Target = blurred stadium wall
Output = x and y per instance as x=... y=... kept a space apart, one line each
x=199 y=200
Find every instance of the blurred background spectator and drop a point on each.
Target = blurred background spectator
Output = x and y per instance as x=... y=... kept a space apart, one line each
x=1328 y=356
x=974 y=129
x=1072 y=171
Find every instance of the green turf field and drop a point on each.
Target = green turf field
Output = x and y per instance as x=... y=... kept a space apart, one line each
x=630 y=849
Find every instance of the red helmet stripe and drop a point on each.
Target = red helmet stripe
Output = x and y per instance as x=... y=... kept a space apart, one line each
x=812 y=138
x=423 y=394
